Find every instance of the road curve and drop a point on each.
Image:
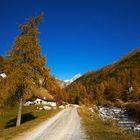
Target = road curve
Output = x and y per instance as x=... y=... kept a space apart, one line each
x=63 y=126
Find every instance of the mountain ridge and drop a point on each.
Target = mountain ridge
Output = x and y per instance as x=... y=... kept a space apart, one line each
x=109 y=83
x=109 y=66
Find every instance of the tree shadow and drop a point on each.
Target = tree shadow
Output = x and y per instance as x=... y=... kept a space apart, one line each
x=25 y=118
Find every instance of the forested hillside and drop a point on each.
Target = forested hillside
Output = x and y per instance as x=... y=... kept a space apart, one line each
x=115 y=83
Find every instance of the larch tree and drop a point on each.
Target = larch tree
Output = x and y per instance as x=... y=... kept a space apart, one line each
x=2 y=81
x=28 y=65
x=1 y=64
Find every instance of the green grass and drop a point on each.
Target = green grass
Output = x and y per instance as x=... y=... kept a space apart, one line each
x=96 y=129
x=31 y=116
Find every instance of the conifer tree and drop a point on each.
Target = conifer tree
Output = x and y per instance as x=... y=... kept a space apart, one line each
x=28 y=65
x=1 y=64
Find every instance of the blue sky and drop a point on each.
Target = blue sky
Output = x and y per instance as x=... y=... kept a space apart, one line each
x=76 y=35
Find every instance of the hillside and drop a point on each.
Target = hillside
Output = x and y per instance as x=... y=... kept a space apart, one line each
x=131 y=58
x=119 y=81
x=42 y=92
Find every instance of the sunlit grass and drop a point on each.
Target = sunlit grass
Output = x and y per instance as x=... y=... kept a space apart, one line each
x=30 y=118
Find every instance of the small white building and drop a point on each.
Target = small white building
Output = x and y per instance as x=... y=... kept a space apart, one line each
x=3 y=75
x=42 y=101
x=29 y=103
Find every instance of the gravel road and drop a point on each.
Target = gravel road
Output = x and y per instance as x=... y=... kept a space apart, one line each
x=63 y=126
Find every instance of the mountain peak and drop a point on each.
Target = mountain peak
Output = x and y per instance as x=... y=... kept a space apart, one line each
x=68 y=82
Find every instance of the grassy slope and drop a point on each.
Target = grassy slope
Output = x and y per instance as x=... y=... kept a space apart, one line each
x=96 y=129
x=31 y=117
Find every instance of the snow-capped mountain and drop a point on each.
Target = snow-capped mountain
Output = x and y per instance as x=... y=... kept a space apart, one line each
x=64 y=83
x=68 y=82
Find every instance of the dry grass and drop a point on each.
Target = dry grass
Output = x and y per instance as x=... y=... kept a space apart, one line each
x=96 y=129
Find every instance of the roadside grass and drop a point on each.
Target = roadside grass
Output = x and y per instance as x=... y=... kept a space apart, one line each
x=97 y=129
x=31 y=116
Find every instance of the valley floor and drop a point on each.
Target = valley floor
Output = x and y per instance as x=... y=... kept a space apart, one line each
x=63 y=126
x=97 y=129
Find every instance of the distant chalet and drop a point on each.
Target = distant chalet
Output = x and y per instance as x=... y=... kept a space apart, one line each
x=41 y=101
x=3 y=75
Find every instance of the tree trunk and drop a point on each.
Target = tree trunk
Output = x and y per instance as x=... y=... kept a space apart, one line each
x=19 y=112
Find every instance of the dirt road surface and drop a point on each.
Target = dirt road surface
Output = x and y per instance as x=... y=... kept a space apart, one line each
x=63 y=126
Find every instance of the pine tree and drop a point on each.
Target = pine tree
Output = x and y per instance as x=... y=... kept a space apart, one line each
x=28 y=66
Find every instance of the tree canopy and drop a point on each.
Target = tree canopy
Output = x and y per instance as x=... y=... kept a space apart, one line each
x=25 y=66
